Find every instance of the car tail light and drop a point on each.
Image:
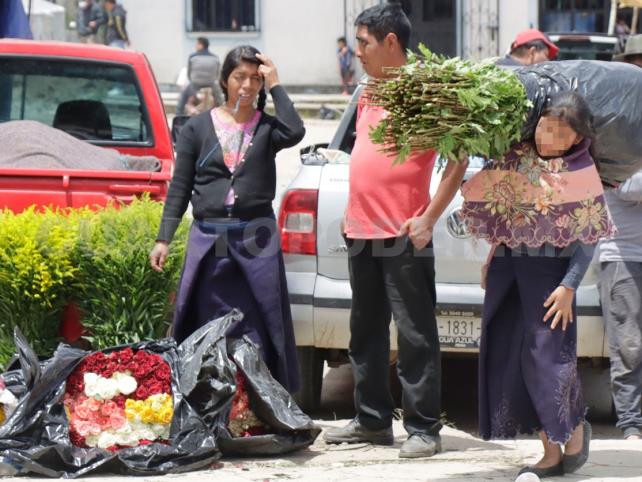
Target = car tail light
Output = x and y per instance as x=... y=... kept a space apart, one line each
x=298 y=220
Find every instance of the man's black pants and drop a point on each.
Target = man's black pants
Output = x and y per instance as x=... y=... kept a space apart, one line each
x=390 y=276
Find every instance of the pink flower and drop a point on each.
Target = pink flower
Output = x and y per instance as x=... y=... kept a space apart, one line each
x=562 y=221
x=85 y=427
x=87 y=409
x=117 y=420
x=108 y=408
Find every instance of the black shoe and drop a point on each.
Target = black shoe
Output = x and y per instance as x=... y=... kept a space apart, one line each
x=575 y=461
x=553 y=471
x=354 y=433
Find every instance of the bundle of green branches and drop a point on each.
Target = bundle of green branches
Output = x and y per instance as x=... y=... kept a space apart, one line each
x=453 y=106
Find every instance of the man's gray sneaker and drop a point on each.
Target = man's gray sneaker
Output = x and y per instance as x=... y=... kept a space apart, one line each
x=420 y=445
x=354 y=433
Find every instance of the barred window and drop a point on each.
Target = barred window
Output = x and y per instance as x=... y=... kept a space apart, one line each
x=224 y=16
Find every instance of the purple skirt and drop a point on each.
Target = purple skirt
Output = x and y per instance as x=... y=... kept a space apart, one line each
x=240 y=266
x=528 y=379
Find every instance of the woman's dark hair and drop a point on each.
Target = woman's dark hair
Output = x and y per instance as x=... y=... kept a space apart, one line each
x=573 y=109
x=384 y=19
x=244 y=53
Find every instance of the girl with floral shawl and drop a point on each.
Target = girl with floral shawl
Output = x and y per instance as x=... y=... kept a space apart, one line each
x=542 y=208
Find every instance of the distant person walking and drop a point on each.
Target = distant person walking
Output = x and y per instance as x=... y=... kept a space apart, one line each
x=88 y=19
x=116 y=35
x=345 y=55
x=203 y=70
x=529 y=47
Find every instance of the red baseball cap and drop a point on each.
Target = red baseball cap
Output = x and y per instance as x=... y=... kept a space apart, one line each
x=533 y=34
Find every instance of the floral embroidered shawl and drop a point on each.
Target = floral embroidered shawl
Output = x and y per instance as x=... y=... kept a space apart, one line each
x=523 y=199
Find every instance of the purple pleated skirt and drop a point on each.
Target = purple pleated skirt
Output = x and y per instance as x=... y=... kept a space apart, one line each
x=528 y=380
x=240 y=266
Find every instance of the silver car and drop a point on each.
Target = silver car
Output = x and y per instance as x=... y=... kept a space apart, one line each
x=317 y=273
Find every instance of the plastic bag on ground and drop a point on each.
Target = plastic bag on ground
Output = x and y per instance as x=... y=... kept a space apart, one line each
x=35 y=438
x=213 y=385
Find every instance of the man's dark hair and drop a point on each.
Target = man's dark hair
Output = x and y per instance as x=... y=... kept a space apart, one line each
x=523 y=49
x=204 y=42
x=384 y=19
x=243 y=53
x=573 y=109
x=113 y=2
x=342 y=39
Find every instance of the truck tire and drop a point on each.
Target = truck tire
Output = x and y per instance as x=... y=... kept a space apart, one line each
x=311 y=370
x=596 y=389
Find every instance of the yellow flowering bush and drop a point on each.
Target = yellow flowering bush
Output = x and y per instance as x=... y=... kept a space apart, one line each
x=37 y=274
x=97 y=258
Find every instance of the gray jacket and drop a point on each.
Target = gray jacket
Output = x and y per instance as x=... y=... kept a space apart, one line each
x=85 y=15
x=203 y=70
x=625 y=206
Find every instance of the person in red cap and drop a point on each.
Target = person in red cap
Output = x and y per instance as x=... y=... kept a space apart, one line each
x=529 y=47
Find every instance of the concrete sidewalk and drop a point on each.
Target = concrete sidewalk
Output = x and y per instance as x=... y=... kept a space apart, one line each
x=464 y=458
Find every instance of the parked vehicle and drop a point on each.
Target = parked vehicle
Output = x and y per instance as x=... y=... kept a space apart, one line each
x=110 y=98
x=585 y=46
x=317 y=274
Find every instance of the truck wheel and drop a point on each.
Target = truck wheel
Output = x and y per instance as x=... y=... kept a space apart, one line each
x=311 y=370
x=596 y=389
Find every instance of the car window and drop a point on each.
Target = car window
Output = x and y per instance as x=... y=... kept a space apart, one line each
x=98 y=102
x=586 y=50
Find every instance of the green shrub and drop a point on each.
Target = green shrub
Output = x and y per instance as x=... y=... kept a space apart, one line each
x=122 y=299
x=99 y=260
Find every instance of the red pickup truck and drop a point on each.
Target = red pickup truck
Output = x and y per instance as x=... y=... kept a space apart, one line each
x=102 y=90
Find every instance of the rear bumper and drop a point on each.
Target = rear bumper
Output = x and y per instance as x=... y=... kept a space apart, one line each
x=321 y=312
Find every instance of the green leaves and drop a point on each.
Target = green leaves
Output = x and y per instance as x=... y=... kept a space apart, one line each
x=98 y=259
x=450 y=105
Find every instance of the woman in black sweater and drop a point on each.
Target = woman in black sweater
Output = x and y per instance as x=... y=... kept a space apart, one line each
x=225 y=165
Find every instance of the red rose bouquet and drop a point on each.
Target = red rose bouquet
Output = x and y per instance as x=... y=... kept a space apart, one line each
x=117 y=400
x=243 y=421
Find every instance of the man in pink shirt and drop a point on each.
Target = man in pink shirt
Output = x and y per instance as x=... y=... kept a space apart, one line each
x=388 y=229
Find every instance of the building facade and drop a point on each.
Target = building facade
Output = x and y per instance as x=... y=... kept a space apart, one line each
x=301 y=35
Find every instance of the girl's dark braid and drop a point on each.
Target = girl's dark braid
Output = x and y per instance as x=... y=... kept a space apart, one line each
x=262 y=100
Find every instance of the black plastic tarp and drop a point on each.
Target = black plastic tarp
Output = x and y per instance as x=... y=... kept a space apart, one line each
x=35 y=439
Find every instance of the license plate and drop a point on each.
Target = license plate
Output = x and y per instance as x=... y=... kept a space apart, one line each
x=457 y=329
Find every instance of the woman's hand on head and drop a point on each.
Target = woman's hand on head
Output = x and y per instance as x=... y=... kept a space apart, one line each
x=560 y=307
x=158 y=256
x=268 y=71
